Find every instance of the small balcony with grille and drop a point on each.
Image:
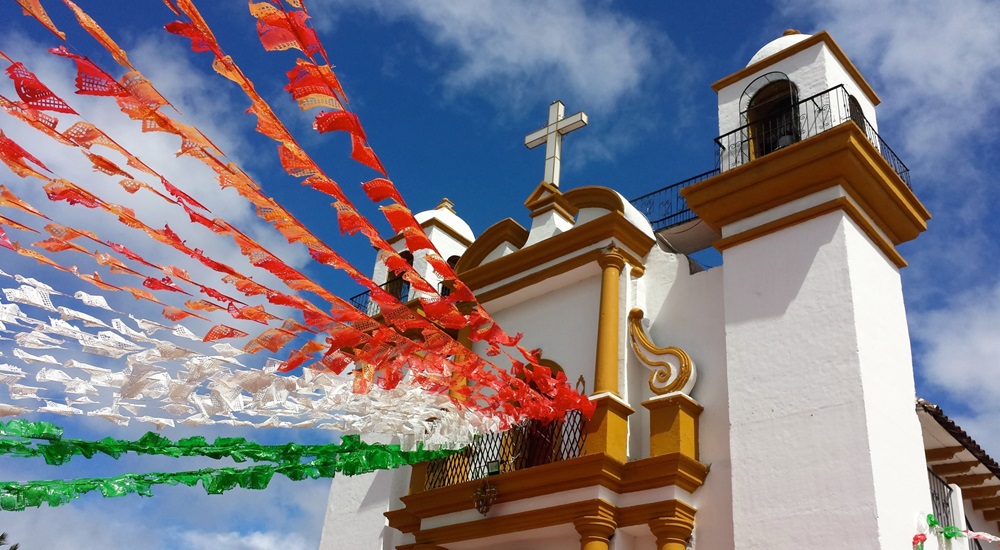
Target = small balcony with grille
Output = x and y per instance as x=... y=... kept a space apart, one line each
x=667 y=208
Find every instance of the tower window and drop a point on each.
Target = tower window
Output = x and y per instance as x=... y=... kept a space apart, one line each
x=770 y=114
x=772 y=118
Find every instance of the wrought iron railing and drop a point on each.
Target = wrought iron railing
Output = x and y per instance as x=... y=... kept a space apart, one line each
x=523 y=446
x=398 y=287
x=666 y=207
x=807 y=118
x=941 y=499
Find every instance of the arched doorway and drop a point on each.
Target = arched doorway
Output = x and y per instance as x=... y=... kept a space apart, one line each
x=770 y=112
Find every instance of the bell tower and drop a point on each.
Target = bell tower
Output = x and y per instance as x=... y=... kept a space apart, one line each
x=811 y=203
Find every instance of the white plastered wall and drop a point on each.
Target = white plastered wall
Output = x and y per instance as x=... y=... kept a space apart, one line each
x=812 y=70
x=821 y=392
x=558 y=315
x=355 y=511
x=686 y=310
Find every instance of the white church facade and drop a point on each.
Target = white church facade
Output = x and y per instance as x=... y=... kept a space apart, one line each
x=768 y=402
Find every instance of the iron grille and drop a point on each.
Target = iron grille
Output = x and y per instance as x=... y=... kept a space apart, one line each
x=531 y=443
x=941 y=499
x=666 y=207
x=812 y=116
x=398 y=287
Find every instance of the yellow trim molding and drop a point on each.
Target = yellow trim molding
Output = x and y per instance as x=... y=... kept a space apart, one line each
x=607 y=430
x=822 y=36
x=593 y=196
x=547 y=197
x=504 y=231
x=839 y=157
x=663 y=379
x=673 y=425
x=611 y=226
x=589 y=470
x=840 y=203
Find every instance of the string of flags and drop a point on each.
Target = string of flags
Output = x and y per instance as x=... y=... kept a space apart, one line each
x=933 y=528
x=350 y=457
x=304 y=356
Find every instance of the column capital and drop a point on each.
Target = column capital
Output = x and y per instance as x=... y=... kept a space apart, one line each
x=672 y=532
x=595 y=529
x=612 y=257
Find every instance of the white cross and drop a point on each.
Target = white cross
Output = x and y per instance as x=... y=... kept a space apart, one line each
x=552 y=134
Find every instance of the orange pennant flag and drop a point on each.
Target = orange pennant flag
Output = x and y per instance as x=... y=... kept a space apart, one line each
x=98 y=33
x=34 y=9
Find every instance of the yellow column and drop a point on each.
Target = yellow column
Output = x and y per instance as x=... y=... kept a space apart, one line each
x=595 y=531
x=606 y=367
x=418 y=477
x=672 y=533
x=607 y=430
x=673 y=425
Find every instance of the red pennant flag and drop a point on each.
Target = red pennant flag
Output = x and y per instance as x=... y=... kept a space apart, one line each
x=200 y=42
x=4 y=241
x=219 y=332
x=162 y=284
x=380 y=189
x=16 y=158
x=176 y=314
x=91 y=79
x=62 y=190
x=363 y=154
x=33 y=92
x=339 y=121
x=182 y=196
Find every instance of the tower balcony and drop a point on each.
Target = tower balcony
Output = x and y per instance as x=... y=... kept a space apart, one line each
x=526 y=445
x=667 y=209
x=807 y=118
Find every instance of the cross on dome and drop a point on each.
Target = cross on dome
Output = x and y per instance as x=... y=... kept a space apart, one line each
x=551 y=135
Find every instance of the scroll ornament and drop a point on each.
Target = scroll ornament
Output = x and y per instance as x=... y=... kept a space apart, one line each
x=673 y=369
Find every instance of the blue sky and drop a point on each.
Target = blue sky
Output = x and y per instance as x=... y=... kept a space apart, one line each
x=447 y=91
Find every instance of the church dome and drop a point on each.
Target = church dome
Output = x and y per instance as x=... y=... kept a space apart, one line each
x=445 y=214
x=786 y=40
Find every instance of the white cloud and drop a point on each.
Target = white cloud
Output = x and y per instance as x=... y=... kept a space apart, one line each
x=959 y=353
x=521 y=48
x=239 y=541
x=934 y=63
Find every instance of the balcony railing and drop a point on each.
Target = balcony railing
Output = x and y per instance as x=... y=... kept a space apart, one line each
x=666 y=207
x=398 y=287
x=523 y=446
x=807 y=118
x=941 y=499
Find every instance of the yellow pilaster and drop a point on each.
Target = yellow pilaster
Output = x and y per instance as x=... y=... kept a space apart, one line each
x=606 y=367
x=418 y=477
x=673 y=425
x=672 y=533
x=595 y=532
x=607 y=430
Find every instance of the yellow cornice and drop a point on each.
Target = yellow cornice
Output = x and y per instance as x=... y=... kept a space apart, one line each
x=840 y=203
x=586 y=471
x=841 y=156
x=434 y=222
x=506 y=230
x=817 y=38
x=547 y=197
x=593 y=196
x=610 y=226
